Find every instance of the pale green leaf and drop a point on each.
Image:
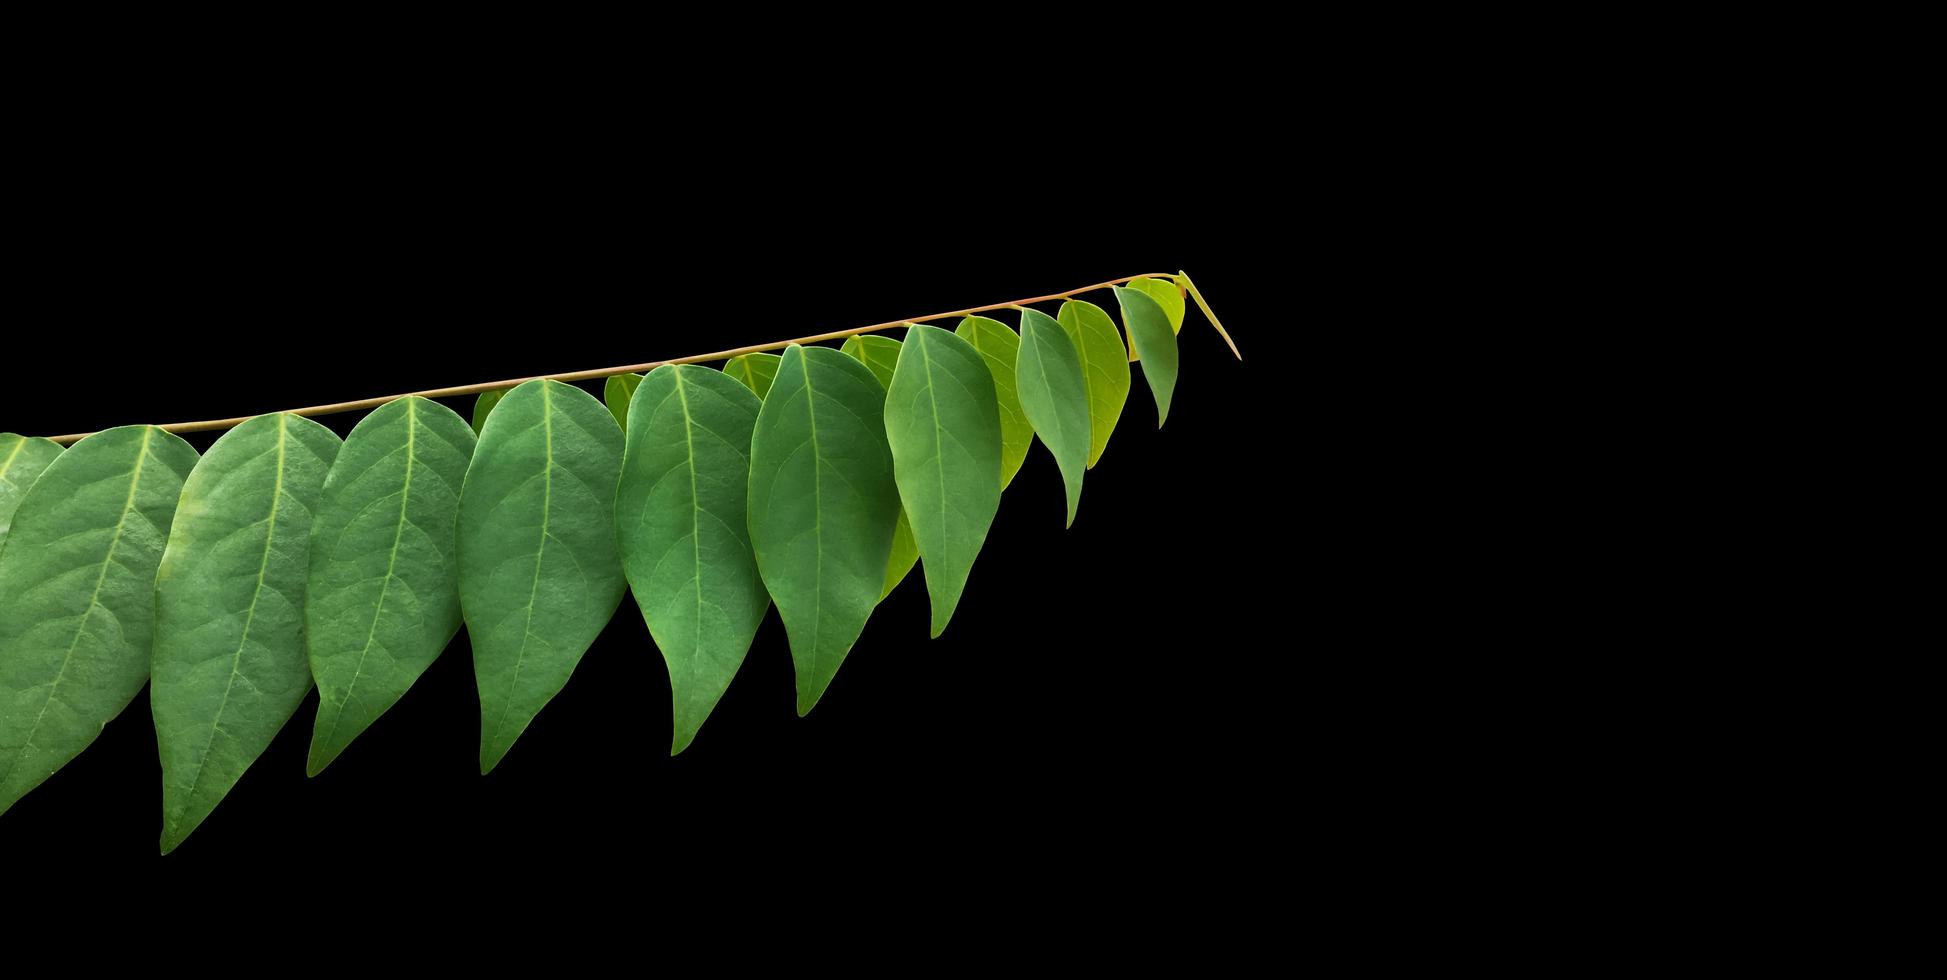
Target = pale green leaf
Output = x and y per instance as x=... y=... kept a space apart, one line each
x=616 y=393
x=881 y=355
x=383 y=597
x=1184 y=279
x=539 y=572
x=1167 y=295
x=1054 y=396
x=230 y=667
x=1000 y=347
x=77 y=599
x=943 y=424
x=1149 y=330
x=756 y=371
x=1105 y=369
x=822 y=506
x=681 y=519
x=21 y=461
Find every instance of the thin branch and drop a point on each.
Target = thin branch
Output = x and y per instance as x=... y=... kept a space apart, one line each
x=722 y=355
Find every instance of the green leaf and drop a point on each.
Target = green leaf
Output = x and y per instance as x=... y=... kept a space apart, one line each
x=483 y=407
x=230 y=667
x=1167 y=295
x=21 y=460
x=681 y=519
x=1000 y=347
x=1105 y=369
x=1184 y=279
x=616 y=392
x=383 y=597
x=539 y=572
x=822 y=506
x=756 y=371
x=1054 y=396
x=881 y=356
x=1149 y=330
x=77 y=604
x=904 y=555
x=943 y=424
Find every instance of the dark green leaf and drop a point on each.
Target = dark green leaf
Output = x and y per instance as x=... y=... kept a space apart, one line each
x=944 y=427
x=756 y=371
x=1149 y=330
x=483 y=407
x=616 y=393
x=681 y=518
x=881 y=356
x=1167 y=295
x=230 y=667
x=383 y=597
x=21 y=460
x=1000 y=347
x=1105 y=369
x=77 y=600
x=539 y=572
x=1054 y=396
x=822 y=506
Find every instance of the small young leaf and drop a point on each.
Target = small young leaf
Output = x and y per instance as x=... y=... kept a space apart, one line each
x=681 y=518
x=539 y=572
x=1184 y=279
x=1105 y=369
x=383 y=596
x=483 y=407
x=1000 y=347
x=1054 y=396
x=77 y=605
x=616 y=393
x=1149 y=330
x=230 y=667
x=756 y=371
x=822 y=506
x=21 y=460
x=944 y=426
x=1167 y=295
x=881 y=356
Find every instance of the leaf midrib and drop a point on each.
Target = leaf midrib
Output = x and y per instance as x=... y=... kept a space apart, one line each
x=540 y=554
x=391 y=562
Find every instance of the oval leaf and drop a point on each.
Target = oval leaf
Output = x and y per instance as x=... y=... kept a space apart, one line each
x=1054 y=396
x=21 y=461
x=680 y=519
x=1000 y=347
x=881 y=356
x=383 y=596
x=756 y=371
x=1184 y=279
x=1149 y=330
x=539 y=572
x=616 y=393
x=77 y=605
x=1167 y=295
x=944 y=426
x=1105 y=369
x=484 y=407
x=822 y=506
x=230 y=667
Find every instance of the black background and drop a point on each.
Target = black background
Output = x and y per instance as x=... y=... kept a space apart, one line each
x=1098 y=707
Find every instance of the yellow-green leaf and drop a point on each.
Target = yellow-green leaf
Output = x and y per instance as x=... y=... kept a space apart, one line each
x=1105 y=369
x=756 y=371
x=1000 y=347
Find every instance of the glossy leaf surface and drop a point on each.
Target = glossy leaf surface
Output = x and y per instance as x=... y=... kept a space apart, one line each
x=1054 y=396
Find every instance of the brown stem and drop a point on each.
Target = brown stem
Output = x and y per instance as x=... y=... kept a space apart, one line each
x=722 y=355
